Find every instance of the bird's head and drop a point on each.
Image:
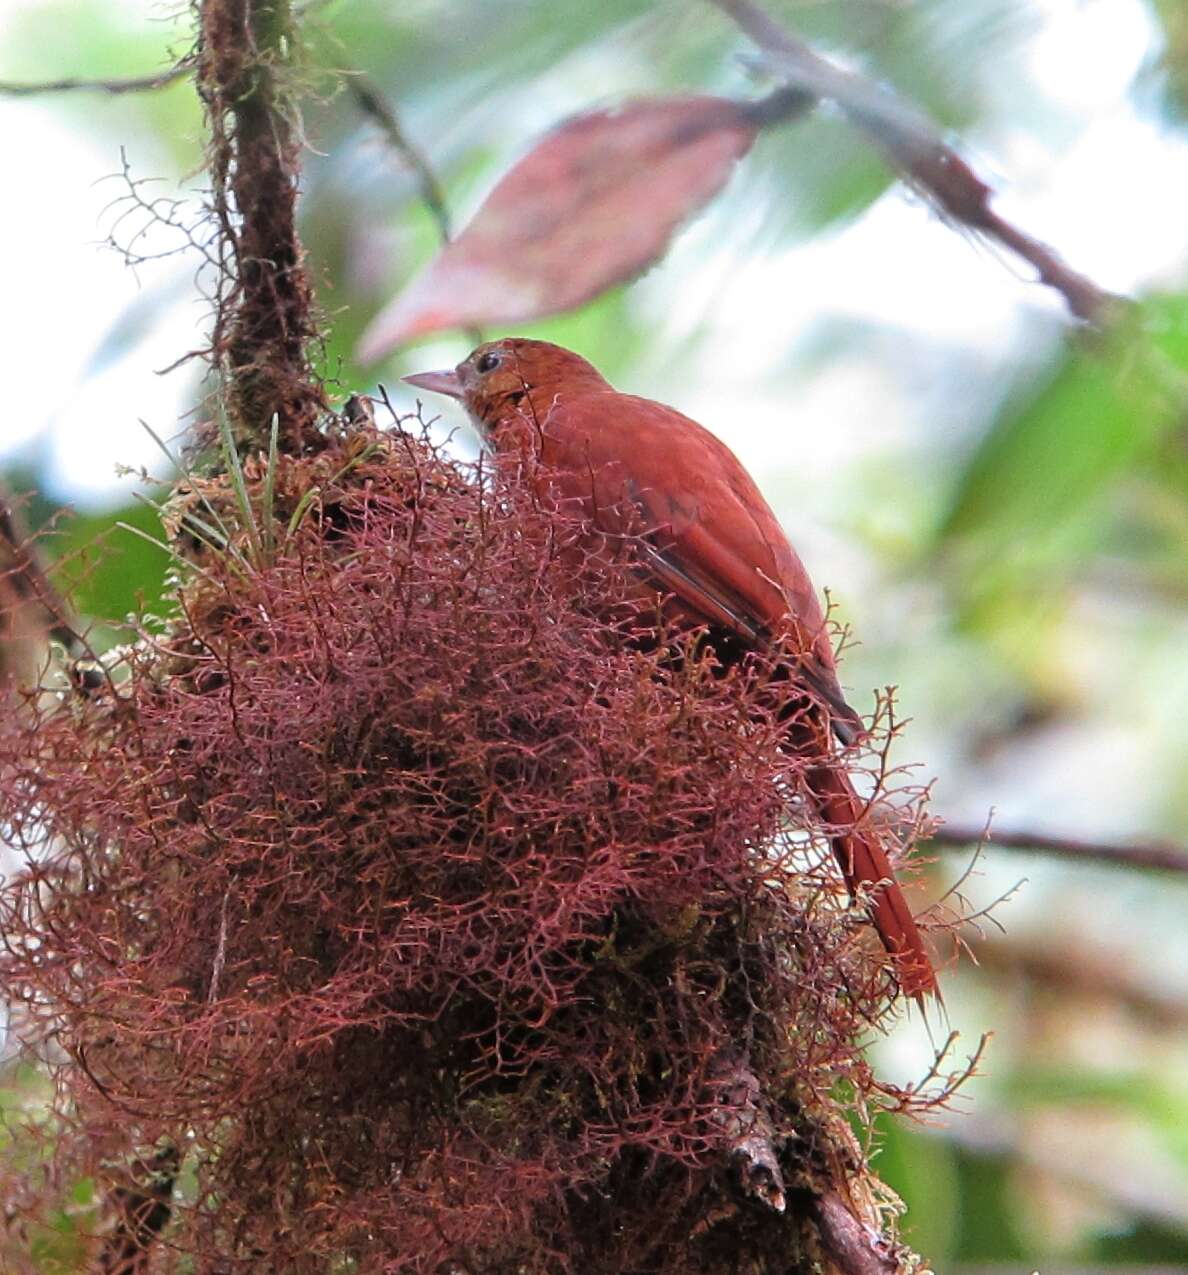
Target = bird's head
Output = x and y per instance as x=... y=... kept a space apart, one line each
x=506 y=380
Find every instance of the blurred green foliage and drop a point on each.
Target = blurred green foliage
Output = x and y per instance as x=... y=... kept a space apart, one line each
x=1064 y=474
x=109 y=572
x=56 y=1246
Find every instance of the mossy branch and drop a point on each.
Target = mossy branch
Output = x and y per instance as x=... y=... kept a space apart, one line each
x=264 y=324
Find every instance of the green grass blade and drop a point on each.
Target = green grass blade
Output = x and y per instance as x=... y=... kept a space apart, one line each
x=270 y=488
x=235 y=469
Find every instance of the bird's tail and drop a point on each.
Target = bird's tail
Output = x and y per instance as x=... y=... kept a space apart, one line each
x=867 y=870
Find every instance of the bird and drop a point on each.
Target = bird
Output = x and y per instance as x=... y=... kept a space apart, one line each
x=709 y=551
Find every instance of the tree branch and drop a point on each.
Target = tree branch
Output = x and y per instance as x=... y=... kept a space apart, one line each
x=373 y=104
x=914 y=146
x=264 y=324
x=132 y=84
x=1160 y=856
x=853 y=1247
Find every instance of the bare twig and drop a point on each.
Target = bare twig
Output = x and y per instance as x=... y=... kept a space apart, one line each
x=913 y=144
x=373 y=104
x=1161 y=856
x=123 y=84
x=131 y=84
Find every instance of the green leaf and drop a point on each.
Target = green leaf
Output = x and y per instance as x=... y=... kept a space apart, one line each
x=922 y=1171
x=838 y=176
x=1098 y=413
x=988 y=1221
x=106 y=572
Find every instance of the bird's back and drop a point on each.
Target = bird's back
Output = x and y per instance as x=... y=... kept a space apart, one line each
x=719 y=549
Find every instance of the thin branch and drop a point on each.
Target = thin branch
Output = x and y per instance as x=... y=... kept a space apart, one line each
x=914 y=146
x=132 y=84
x=1161 y=856
x=371 y=101
x=264 y=324
x=129 y=84
x=373 y=104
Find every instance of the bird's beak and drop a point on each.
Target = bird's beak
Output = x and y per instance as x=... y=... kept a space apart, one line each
x=439 y=382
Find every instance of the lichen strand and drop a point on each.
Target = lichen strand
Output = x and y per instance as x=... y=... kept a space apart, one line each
x=430 y=914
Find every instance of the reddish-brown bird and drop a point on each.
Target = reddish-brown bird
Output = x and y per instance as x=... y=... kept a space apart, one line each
x=708 y=544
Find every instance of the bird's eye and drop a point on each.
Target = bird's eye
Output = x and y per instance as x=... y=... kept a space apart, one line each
x=487 y=362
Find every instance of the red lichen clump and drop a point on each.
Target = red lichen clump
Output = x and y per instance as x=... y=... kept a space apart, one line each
x=424 y=915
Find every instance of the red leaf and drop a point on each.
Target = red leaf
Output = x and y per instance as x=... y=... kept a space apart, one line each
x=595 y=202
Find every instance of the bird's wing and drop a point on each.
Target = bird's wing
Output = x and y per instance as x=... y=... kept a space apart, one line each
x=715 y=604
x=710 y=539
